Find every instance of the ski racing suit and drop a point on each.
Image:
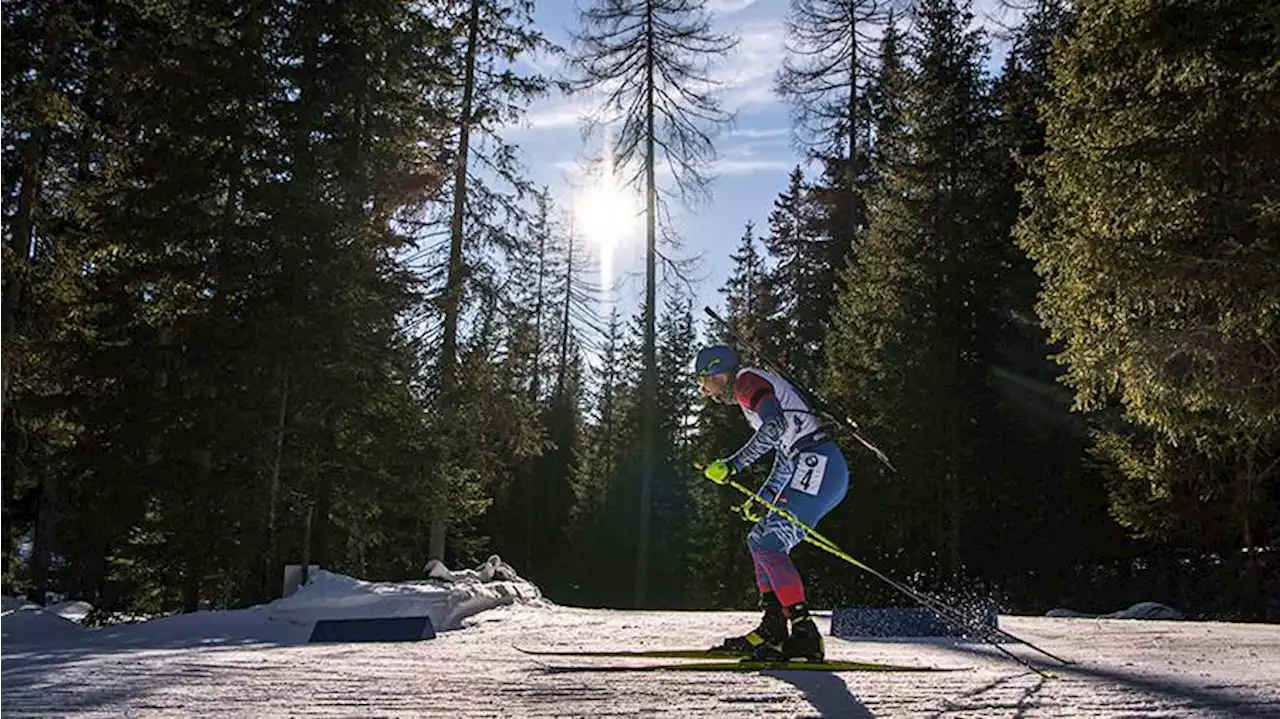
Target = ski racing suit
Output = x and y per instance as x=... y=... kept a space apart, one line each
x=809 y=476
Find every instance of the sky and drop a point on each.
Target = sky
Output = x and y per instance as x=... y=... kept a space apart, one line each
x=755 y=152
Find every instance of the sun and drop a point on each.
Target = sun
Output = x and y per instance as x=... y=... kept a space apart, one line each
x=605 y=214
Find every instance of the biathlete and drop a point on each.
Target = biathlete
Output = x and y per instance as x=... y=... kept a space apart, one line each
x=809 y=479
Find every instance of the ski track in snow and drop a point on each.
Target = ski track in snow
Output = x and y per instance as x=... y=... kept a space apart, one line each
x=1124 y=669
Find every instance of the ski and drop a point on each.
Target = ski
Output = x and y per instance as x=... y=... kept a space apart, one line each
x=638 y=654
x=747 y=665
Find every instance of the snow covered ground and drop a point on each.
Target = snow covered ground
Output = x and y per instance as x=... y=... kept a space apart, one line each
x=255 y=662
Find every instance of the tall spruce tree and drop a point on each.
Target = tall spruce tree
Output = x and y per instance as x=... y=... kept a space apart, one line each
x=595 y=507
x=576 y=298
x=677 y=394
x=1043 y=493
x=516 y=516
x=912 y=336
x=43 y=64
x=825 y=76
x=651 y=60
x=488 y=94
x=531 y=520
x=751 y=301
x=1151 y=220
x=800 y=277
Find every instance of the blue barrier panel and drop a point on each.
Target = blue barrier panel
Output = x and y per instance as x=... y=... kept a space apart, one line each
x=386 y=629
x=855 y=622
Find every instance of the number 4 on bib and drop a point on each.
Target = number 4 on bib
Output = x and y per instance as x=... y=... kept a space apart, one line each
x=810 y=469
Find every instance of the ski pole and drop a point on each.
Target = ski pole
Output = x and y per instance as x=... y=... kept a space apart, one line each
x=942 y=609
x=814 y=399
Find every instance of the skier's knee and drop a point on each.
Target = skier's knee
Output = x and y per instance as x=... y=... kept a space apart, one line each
x=761 y=540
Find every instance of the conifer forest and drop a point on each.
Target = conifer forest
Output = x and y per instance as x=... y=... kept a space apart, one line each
x=279 y=287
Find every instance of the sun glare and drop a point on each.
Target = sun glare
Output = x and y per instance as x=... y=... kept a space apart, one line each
x=606 y=215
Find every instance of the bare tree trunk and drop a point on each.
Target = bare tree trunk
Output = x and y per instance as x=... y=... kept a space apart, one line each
x=322 y=526
x=531 y=498
x=199 y=519
x=536 y=385
x=853 y=93
x=21 y=246
x=851 y=172
x=191 y=581
x=21 y=259
x=452 y=299
x=563 y=367
x=306 y=542
x=649 y=409
x=40 y=541
x=271 y=557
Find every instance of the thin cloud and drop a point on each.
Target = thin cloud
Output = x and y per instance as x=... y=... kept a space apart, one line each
x=731 y=165
x=748 y=79
x=727 y=166
x=761 y=133
x=556 y=115
x=728 y=7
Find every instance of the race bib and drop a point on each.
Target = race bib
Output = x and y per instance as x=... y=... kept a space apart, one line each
x=810 y=469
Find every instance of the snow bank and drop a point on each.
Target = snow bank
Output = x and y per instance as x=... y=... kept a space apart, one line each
x=74 y=611
x=1146 y=610
x=448 y=597
x=1141 y=610
x=493 y=569
x=25 y=623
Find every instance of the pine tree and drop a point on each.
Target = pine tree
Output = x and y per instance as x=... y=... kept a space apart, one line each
x=751 y=302
x=188 y=281
x=676 y=396
x=517 y=515
x=620 y=418
x=597 y=485
x=353 y=147
x=1151 y=223
x=41 y=70
x=487 y=95
x=912 y=337
x=532 y=520
x=801 y=278
x=1041 y=490
x=826 y=79
x=825 y=72
x=576 y=300
x=652 y=59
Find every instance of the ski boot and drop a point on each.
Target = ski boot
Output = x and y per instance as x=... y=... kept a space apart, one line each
x=803 y=644
x=771 y=631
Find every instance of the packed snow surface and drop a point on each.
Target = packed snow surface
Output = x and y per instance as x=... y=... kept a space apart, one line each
x=255 y=662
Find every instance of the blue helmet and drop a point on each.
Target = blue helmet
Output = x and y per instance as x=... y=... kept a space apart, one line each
x=716 y=359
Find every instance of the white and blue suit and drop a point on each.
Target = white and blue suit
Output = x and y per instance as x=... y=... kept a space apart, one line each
x=809 y=476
